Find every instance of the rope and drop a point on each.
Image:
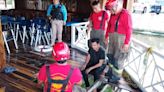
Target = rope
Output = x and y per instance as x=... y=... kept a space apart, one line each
x=128 y=78
x=148 y=52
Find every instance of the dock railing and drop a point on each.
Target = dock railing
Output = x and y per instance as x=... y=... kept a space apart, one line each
x=146 y=67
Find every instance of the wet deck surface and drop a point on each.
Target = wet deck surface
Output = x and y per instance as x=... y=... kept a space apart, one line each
x=27 y=62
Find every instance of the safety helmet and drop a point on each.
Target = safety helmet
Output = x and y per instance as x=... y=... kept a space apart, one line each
x=109 y=4
x=61 y=51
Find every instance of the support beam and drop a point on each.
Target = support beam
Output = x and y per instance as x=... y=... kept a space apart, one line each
x=2 y=50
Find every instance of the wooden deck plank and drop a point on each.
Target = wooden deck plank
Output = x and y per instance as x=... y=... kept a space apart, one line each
x=20 y=84
x=24 y=64
x=23 y=70
x=9 y=88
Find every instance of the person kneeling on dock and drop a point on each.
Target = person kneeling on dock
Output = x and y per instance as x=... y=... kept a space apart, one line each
x=59 y=76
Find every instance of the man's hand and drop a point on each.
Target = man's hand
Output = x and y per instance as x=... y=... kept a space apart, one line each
x=106 y=41
x=83 y=67
x=125 y=47
x=49 y=17
x=88 y=30
x=36 y=75
x=64 y=22
x=88 y=70
x=39 y=83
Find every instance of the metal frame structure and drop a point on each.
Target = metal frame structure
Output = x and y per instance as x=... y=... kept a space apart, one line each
x=79 y=37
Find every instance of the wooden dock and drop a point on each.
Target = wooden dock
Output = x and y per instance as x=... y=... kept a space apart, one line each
x=27 y=63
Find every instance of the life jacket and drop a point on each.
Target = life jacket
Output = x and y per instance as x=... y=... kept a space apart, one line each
x=63 y=82
x=56 y=12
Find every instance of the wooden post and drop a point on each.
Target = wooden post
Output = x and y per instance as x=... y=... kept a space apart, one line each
x=2 y=50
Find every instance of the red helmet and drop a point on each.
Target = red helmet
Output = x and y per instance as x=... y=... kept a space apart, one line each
x=110 y=1
x=109 y=4
x=61 y=51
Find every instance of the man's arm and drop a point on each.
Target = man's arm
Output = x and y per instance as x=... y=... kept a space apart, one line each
x=87 y=59
x=95 y=66
x=90 y=23
x=77 y=76
x=89 y=26
x=107 y=35
x=108 y=29
x=128 y=28
x=40 y=83
x=107 y=18
x=86 y=62
x=41 y=75
x=80 y=82
x=49 y=10
x=64 y=11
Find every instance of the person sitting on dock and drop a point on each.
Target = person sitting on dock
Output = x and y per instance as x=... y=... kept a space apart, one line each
x=94 y=63
x=59 y=76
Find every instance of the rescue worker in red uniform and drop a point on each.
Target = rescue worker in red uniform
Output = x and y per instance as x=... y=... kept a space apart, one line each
x=118 y=34
x=59 y=76
x=98 y=22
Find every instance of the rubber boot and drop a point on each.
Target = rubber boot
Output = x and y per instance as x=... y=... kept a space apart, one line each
x=114 y=76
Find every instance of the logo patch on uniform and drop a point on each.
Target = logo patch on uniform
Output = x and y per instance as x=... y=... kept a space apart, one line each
x=99 y=18
x=57 y=87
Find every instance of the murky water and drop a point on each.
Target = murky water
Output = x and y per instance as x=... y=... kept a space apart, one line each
x=155 y=40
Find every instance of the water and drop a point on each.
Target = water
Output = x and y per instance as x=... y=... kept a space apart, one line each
x=154 y=40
